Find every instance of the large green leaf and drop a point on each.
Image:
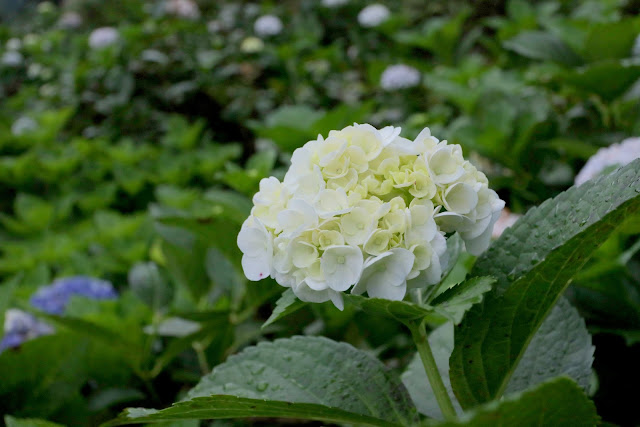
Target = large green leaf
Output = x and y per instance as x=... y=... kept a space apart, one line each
x=559 y=402
x=542 y=45
x=562 y=345
x=28 y=422
x=533 y=262
x=301 y=377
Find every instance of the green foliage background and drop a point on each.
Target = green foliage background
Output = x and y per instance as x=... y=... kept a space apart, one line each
x=137 y=162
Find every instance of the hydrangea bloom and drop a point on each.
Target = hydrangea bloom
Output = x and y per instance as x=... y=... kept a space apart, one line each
x=23 y=125
x=251 y=45
x=608 y=157
x=366 y=210
x=12 y=58
x=334 y=3
x=20 y=327
x=53 y=299
x=70 y=21
x=373 y=15
x=103 y=37
x=399 y=77
x=187 y=9
x=267 y=25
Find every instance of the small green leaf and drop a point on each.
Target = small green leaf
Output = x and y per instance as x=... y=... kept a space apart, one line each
x=533 y=262
x=559 y=402
x=608 y=79
x=402 y=311
x=456 y=301
x=302 y=377
x=147 y=283
x=286 y=304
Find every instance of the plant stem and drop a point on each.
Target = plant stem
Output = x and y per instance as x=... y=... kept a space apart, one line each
x=202 y=358
x=419 y=335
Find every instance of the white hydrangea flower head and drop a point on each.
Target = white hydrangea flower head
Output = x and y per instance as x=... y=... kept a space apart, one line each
x=334 y=3
x=251 y=45
x=612 y=156
x=635 y=50
x=14 y=44
x=187 y=9
x=70 y=21
x=267 y=25
x=12 y=58
x=23 y=125
x=399 y=76
x=366 y=210
x=373 y=15
x=103 y=37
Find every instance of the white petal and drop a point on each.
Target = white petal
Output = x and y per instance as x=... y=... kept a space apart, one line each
x=256 y=268
x=393 y=293
x=342 y=266
x=336 y=299
x=305 y=293
x=477 y=245
x=460 y=198
x=389 y=270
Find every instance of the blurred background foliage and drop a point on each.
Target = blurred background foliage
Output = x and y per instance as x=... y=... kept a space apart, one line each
x=135 y=162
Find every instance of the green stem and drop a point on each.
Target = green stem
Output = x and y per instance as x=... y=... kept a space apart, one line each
x=202 y=357
x=419 y=335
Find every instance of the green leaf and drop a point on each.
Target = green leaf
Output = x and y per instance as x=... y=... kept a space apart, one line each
x=147 y=283
x=559 y=402
x=562 y=345
x=288 y=303
x=608 y=79
x=456 y=301
x=28 y=422
x=542 y=45
x=402 y=311
x=533 y=262
x=611 y=40
x=302 y=377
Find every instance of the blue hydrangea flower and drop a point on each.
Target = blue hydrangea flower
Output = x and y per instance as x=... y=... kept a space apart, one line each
x=53 y=299
x=19 y=327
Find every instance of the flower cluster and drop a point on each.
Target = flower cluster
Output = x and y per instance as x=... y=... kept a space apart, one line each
x=103 y=37
x=373 y=15
x=613 y=156
x=187 y=9
x=267 y=25
x=53 y=299
x=19 y=327
x=366 y=210
x=399 y=77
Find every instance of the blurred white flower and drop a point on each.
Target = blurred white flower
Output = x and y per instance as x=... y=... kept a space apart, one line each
x=23 y=125
x=12 y=58
x=103 y=37
x=31 y=40
x=506 y=220
x=14 y=44
x=334 y=3
x=251 y=45
x=399 y=77
x=267 y=25
x=635 y=50
x=214 y=26
x=183 y=8
x=70 y=21
x=373 y=15
x=46 y=7
x=609 y=157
